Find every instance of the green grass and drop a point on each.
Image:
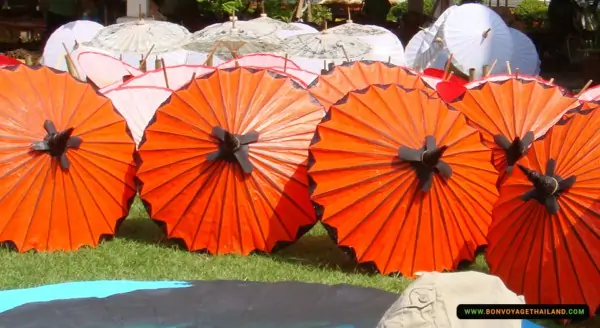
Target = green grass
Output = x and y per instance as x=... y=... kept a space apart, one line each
x=139 y=252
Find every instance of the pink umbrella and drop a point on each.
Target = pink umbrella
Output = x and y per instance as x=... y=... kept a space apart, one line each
x=104 y=70
x=591 y=94
x=260 y=61
x=173 y=77
x=138 y=105
x=301 y=76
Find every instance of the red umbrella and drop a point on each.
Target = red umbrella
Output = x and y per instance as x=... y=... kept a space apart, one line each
x=8 y=61
x=544 y=241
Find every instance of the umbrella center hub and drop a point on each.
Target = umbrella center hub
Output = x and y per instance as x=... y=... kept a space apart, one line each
x=426 y=162
x=233 y=148
x=547 y=187
x=57 y=143
x=430 y=158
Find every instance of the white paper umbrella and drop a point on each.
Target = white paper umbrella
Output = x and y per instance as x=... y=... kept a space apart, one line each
x=104 y=70
x=326 y=45
x=242 y=41
x=312 y=51
x=259 y=60
x=385 y=45
x=438 y=26
x=176 y=77
x=525 y=56
x=68 y=36
x=591 y=94
x=422 y=50
x=139 y=37
x=300 y=29
x=217 y=31
x=138 y=105
x=264 y=19
x=477 y=36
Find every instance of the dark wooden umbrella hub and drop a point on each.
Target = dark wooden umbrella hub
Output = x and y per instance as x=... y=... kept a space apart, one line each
x=57 y=143
x=515 y=149
x=233 y=148
x=426 y=162
x=546 y=187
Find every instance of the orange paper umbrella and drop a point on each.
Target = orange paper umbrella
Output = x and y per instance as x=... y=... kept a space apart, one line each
x=511 y=113
x=224 y=162
x=402 y=180
x=67 y=172
x=545 y=238
x=336 y=83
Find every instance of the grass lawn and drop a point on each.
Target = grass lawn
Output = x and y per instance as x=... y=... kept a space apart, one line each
x=139 y=253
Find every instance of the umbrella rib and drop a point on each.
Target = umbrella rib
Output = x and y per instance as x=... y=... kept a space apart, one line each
x=363 y=166
x=541 y=259
x=484 y=111
x=76 y=157
x=568 y=251
x=79 y=104
x=499 y=107
x=391 y=127
x=585 y=223
x=21 y=179
x=470 y=196
x=434 y=191
x=36 y=203
x=254 y=211
x=171 y=164
x=50 y=98
x=209 y=171
x=173 y=133
x=354 y=184
x=411 y=203
x=531 y=231
x=363 y=198
x=238 y=126
x=224 y=104
x=98 y=128
x=275 y=100
x=376 y=142
x=193 y=108
x=228 y=170
x=84 y=208
x=405 y=107
x=556 y=268
x=570 y=164
x=17 y=92
x=103 y=156
x=282 y=192
x=330 y=85
x=51 y=205
x=12 y=159
x=212 y=147
x=419 y=218
x=522 y=225
x=455 y=218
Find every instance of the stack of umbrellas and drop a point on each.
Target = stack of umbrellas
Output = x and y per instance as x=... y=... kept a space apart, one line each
x=246 y=159
x=477 y=41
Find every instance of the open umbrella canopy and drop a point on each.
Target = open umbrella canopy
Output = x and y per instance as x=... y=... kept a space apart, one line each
x=234 y=41
x=104 y=70
x=385 y=45
x=334 y=84
x=67 y=36
x=402 y=180
x=216 y=31
x=264 y=19
x=422 y=50
x=476 y=36
x=140 y=37
x=511 y=114
x=67 y=162
x=315 y=51
x=138 y=105
x=259 y=61
x=173 y=78
x=545 y=239
x=223 y=164
x=525 y=56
